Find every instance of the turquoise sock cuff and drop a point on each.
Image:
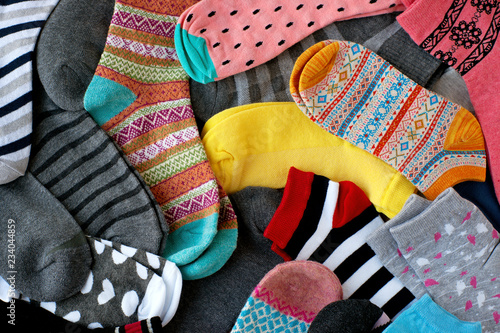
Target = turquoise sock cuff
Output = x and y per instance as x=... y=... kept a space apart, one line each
x=217 y=254
x=193 y=55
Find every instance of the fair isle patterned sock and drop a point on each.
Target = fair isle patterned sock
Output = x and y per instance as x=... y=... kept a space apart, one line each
x=140 y=96
x=353 y=93
x=20 y=24
x=298 y=234
x=288 y=298
x=216 y=39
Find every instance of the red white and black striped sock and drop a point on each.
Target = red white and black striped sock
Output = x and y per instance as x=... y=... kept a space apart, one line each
x=329 y=222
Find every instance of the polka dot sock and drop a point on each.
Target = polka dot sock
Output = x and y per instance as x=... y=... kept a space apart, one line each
x=216 y=39
x=356 y=95
x=121 y=290
x=288 y=298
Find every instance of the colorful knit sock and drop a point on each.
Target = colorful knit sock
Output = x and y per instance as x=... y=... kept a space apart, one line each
x=45 y=253
x=288 y=298
x=386 y=248
x=343 y=248
x=263 y=153
x=353 y=93
x=140 y=96
x=20 y=25
x=217 y=39
x=462 y=34
x=348 y=316
x=27 y=317
x=120 y=290
x=453 y=249
x=425 y=316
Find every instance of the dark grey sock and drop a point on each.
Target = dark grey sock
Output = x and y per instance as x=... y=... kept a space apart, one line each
x=82 y=167
x=44 y=252
x=212 y=304
x=69 y=49
x=346 y=316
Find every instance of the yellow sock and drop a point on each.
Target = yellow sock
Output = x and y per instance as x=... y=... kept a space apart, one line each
x=257 y=144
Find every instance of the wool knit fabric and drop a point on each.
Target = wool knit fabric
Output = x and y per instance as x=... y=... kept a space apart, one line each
x=462 y=34
x=353 y=93
x=140 y=96
x=217 y=39
x=279 y=137
x=20 y=24
x=299 y=233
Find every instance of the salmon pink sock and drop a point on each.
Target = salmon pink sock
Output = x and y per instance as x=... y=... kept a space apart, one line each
x=462 y=34
x=216 y=39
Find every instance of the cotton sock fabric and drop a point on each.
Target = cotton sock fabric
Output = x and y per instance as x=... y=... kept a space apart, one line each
x=425 y=316
x=215 y=40
x=347 y=316
x=453 y=250
x=69 y=48
x=462 y=35
x=81 y=166
x=123 y=290
x=46 y=255
x=343 y=248
x=269 y=82
x=140 y=96
x=288 y=298
x=281 y=137
x=30 y=318
x=386 y=248
x=21 y=22
x=353 y=93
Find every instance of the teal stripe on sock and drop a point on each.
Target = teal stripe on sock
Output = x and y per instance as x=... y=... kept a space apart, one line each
x=105 y=98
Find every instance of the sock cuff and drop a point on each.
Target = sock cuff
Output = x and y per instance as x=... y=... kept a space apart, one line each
x=440 y=319
x=351 y=202
x=291 y=209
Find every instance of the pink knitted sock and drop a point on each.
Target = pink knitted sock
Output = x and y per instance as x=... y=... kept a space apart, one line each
x=462 y=34
x=216 y=39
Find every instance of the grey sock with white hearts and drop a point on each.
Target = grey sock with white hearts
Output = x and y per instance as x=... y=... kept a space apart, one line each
x=386 y=248
x=454 y=251
x=119 y=291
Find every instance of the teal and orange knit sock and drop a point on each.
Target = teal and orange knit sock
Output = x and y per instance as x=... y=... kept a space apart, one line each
x=140 y=96
x=288 y=298
x=354 y=94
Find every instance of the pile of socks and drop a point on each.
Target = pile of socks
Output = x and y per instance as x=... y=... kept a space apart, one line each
x=262 y=166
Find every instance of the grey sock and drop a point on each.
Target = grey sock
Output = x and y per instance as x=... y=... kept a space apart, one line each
x=452 y=86
x=69 y=49
x=386 y=248
x=82 y=167
x=212 y=304
x=44 y=252
x=454 y=251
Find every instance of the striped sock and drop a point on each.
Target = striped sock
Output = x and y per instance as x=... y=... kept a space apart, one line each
x=342 y=247
x=20 y=24
x=140 y=96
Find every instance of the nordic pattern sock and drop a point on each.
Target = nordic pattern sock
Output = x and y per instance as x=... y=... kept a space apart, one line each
x=347 y=316
x=288 y=298
x=453 y=249
x=140 y=96
x=122 y=289
x=343 y=249
x=32 y=318
x=20 y=24
x=351 y=92
x=217 y=39
x=462 y=34
x=46 y=255
x=386 y=248
x=425 y=316
x=82 y=167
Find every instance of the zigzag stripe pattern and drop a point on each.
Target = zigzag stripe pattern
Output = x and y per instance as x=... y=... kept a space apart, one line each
x=195 y=204
x=151 y=122
x=144 y=24
x=141 y=37
x=266 y=295
x=140 y=59
x=148 y=14
x=155 y=51
x=187 y=196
